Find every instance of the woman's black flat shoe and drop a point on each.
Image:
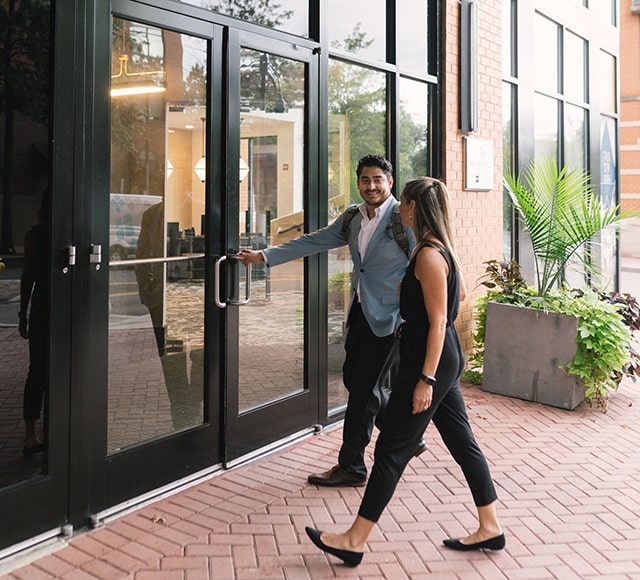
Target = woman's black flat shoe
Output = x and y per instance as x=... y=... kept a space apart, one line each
x=497 y=543
x=29 y=451
x=348 y=557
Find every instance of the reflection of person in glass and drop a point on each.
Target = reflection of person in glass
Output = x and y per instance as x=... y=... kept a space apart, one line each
x=184 y=399
x=33 y=324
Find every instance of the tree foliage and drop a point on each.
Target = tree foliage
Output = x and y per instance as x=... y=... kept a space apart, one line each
x=262 y=12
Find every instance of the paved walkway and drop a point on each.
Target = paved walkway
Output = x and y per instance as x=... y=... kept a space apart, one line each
x=569 y=486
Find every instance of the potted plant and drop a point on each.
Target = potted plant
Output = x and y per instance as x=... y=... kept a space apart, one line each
x=548 y=343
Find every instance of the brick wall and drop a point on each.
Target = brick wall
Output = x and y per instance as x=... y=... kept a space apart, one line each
x=629 y=108
x=477 y=215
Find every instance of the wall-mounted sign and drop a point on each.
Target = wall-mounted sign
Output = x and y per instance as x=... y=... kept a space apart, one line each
x=478 y=164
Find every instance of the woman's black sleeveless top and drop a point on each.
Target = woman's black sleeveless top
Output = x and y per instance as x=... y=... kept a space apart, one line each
x=412 y=309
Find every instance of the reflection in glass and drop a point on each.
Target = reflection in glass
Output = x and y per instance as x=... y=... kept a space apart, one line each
x=156 y=274
x=272 y=121
x=24 y=241
x=357 y=127
x=288 y=15
x=412 y=29
x=414 y=99
x=359 y=28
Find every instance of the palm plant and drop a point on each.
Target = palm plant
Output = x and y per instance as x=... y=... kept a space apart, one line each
x=561 y=213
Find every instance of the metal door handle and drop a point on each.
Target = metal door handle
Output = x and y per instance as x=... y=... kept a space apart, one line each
x=71 y=255
x=95 y=257
x=216 y=282
x=216 y=285
x=247 y=288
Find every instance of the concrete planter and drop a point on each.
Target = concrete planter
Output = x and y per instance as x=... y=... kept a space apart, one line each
x=526 y=352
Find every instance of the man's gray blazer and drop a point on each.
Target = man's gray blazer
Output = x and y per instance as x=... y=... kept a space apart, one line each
x=378 y=274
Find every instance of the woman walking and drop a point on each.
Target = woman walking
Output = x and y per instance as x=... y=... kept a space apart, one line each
x=427 y=389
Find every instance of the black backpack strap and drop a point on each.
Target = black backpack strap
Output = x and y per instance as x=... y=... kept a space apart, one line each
x=349 y=214
x=399 y=233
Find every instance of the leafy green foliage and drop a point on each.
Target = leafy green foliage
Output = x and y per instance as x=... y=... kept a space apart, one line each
x=263 y=12
x=604 y=350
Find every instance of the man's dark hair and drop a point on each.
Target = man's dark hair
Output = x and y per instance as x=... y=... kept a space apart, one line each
x=375 y=161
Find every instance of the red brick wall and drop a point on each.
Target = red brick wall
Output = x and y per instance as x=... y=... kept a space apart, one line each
x=629 y=108
x=477 y=215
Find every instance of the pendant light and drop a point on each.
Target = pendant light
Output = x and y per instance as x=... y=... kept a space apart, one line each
x=201 y=166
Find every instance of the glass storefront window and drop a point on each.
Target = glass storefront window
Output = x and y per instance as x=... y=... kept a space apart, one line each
x=414 y=99
x=357 y=127
x=546 y=54
x=157 y=203
x=358 y=27
x=412 y=29
x=508 y=41
x=546 y=127
x=607 y=91
x=25 y=99
x=575 y=54
x=609 y=196
x=508 y=156
x=287 y=15
x=271 y=212
x=605 y=10
x=575 y=136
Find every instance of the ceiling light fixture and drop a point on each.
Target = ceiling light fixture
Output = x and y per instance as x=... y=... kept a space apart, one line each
x=136 y=83
x=201 y=166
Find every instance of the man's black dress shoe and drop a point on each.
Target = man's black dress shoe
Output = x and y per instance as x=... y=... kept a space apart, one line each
x=347 y=556
x=497 y=543
x=337 y=477
x=31 y=449
x=420 y=448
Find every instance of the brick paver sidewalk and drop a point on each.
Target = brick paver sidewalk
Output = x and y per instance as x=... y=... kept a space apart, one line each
x=569 y=486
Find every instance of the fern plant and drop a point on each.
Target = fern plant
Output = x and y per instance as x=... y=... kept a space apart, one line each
x=560 y=212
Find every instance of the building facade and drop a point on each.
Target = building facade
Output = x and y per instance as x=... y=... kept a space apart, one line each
x=149 y=141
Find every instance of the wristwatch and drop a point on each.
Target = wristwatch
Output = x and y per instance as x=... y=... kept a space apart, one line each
x=428 y=379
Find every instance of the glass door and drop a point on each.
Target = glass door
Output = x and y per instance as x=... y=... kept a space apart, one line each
x=163 y=414
x=270 y=393
x=35 y=276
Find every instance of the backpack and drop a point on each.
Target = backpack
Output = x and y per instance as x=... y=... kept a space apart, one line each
x=399 y=233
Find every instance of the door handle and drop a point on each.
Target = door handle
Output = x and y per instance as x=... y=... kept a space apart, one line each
x=216 y=282
x=216 y=285
x=95 y=257
x=247 y=288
